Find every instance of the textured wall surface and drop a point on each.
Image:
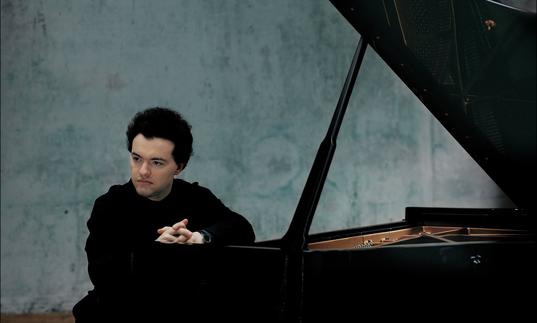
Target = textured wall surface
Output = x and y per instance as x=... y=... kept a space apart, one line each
x=258 y=81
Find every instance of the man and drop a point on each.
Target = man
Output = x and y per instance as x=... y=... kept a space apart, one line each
x=153 y=207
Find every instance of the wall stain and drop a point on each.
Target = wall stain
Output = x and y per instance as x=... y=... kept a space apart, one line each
x=39 y=21
x=114 y=82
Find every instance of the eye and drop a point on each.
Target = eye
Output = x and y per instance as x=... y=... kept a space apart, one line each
x=135 y=159
x=157 y=163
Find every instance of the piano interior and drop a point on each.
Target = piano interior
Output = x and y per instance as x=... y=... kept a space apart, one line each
x=421 y=235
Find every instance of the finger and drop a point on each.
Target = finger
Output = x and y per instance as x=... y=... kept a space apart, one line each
x=180 y=224
x=163 y=229
x=180 y=239
x=166 y=238
x=185 y=232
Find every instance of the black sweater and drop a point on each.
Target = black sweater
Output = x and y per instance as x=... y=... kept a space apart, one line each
x=123 y=222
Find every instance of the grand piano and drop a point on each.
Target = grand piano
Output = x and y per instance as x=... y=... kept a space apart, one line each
x=472 y=65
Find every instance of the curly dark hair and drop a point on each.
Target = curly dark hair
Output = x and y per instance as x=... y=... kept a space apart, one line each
x=159 y=122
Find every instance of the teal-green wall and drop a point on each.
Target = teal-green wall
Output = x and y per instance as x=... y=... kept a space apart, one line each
x=258 y=81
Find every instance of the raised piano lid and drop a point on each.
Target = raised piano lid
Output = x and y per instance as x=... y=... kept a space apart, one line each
x=472 y=64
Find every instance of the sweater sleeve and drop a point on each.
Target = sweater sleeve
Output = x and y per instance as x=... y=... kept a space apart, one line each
x=108 y=258
x=226 y=226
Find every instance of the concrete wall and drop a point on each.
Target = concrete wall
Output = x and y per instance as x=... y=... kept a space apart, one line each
x=258 y=80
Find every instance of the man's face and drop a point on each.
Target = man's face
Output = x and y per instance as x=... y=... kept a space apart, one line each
x=153 y=167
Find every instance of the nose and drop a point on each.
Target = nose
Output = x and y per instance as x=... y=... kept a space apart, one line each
x=144 y=170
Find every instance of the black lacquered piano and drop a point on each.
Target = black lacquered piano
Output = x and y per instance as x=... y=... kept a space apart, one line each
x=472 y=64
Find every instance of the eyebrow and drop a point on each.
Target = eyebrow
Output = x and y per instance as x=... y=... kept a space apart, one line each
x=154 y=158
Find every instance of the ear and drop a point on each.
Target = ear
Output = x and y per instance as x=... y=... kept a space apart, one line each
x=179 y=169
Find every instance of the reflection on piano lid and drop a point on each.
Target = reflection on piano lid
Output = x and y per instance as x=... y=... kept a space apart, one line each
x=524 y=5
x=472 y=64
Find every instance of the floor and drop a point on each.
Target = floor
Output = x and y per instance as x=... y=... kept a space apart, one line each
x=62 y=317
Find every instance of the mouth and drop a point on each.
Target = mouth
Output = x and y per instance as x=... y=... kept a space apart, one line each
x=144 y=182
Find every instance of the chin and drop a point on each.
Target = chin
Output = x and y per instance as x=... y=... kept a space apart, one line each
x=143 y=192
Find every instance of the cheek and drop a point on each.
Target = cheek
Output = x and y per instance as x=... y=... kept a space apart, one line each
x=164 y=175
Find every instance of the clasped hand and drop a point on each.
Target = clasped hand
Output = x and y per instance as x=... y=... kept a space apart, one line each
x=178 y=233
